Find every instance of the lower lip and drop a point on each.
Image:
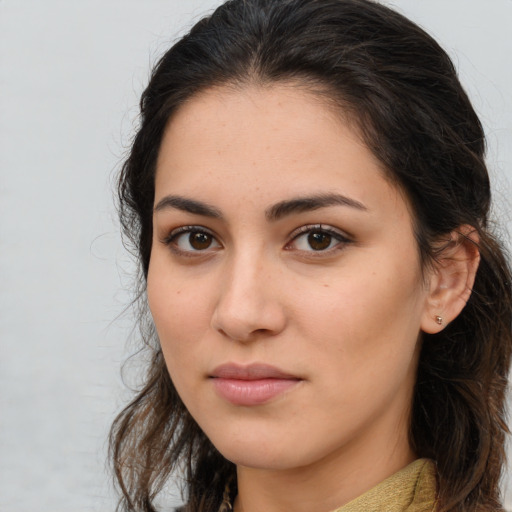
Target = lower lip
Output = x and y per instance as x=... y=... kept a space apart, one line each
x=252 y=392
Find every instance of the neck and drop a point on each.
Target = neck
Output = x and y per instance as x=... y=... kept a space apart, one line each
x=326 y=484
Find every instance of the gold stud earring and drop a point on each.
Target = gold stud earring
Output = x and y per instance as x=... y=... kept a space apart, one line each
x=439 y=320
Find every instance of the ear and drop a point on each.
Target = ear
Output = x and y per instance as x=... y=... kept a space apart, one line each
x=451 y=278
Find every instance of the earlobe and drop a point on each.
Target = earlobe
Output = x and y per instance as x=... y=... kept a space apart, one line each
x=452 y=279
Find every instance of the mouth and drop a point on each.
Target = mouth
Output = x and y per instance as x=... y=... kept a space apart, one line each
x=251 y=385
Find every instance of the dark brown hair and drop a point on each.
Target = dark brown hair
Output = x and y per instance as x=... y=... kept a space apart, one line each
x=401 y=89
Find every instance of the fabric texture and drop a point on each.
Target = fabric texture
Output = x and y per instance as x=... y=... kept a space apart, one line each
x=412 y=489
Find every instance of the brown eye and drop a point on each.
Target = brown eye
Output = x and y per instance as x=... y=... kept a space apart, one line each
x=319 y=240
x=200 y=241
x=190 y=240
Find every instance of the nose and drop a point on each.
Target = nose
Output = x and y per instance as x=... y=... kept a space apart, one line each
x=248 y=304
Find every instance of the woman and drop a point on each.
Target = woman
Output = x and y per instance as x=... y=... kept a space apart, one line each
x=330 y=315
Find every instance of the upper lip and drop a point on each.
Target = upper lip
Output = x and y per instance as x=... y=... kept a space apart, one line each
x=255 y=371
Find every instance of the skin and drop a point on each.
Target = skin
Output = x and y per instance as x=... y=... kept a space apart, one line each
x=345 y=321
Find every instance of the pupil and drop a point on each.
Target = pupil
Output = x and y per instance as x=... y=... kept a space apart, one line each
x=200 y=240
x=319 y=240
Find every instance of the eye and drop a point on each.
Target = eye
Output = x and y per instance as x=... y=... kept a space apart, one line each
x=190 y=239
x=317 y=239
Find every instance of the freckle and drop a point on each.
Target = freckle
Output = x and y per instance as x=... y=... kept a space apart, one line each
x=326 y=286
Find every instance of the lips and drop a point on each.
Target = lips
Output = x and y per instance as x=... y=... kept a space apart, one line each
x=251 y=385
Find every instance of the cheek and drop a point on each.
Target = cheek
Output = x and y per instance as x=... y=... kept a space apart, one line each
x=365 y=319
x=180 y=317
x=175 y=319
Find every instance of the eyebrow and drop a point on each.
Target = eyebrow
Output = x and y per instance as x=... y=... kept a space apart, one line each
x=188 y=205
x=274 y=213
x=309 y=203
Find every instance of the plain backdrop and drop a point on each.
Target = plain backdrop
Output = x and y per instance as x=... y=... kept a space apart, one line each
x=71 y=73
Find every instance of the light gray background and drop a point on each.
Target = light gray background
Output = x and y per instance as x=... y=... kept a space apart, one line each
x=70 y=77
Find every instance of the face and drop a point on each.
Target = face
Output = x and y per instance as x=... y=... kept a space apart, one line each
x=284 y=280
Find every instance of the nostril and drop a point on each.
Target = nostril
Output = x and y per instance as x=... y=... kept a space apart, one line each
x=247 y=309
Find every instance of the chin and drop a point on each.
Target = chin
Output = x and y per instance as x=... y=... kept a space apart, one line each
x=259 y=452
x=257 y=459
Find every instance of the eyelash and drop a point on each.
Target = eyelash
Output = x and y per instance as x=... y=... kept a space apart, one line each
x=171 y=239
x=341 y=239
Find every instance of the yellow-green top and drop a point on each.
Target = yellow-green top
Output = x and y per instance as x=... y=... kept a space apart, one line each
x=412 y=489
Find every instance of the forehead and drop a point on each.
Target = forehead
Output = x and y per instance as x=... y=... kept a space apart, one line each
x=282 y=116
x=280 y=139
